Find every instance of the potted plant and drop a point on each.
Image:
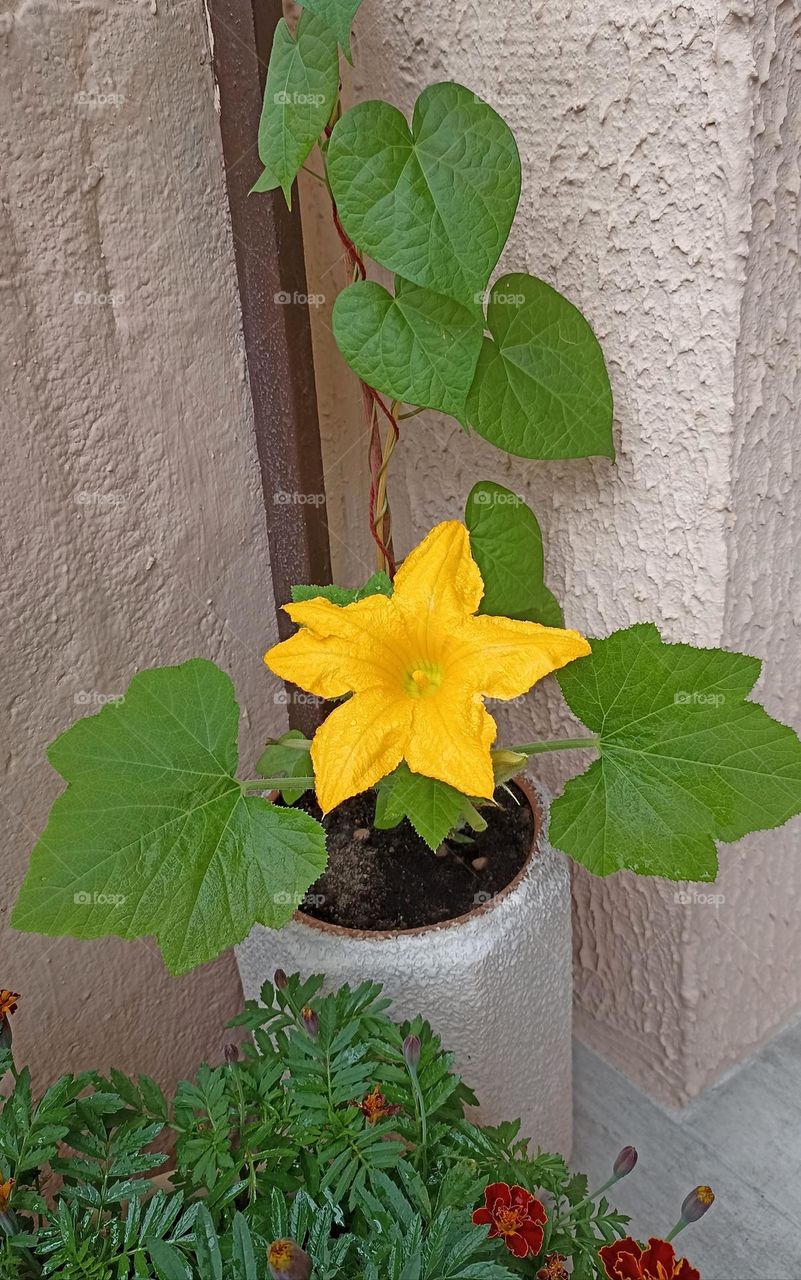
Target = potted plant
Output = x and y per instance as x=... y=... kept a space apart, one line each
x=156 y=834
x=335 y=1148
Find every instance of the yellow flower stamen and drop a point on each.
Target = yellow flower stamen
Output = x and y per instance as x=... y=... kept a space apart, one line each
x=423 y=680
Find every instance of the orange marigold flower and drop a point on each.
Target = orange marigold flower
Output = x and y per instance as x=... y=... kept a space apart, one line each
x=515 y=1215
x=5 y=1194
x=375 y=1106
x=627 y=1260
x=8 y=1002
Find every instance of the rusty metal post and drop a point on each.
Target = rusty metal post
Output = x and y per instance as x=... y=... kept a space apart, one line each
x=268 y=245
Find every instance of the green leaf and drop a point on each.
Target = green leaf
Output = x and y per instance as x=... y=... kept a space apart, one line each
x=434 y=203
x=506 y=543
x=302 y=85
x=380 y=584
x=207 y=1246
x=339 y=15
x=432 y=807
x=243 y=1257
x=153 y=835
x=541 y=388
x=170 y=1264
x=419 y=347
x=685 y=760
x=281 y=761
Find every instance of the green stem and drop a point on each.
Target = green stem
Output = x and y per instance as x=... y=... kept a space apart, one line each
x=276 y=784
x=556 y=744
x=587 y=1200
x=420 y=1108
x=680 y=1225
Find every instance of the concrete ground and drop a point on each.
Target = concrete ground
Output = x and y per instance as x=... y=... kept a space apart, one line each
x=743 y=1137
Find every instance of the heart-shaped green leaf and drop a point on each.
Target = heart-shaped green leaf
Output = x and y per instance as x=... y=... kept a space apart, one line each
x=153 y=834
x=302 y=84
x=434 y=203
x=339 y=15
x=418 y=347
x=506 y=543
x=541 y=388
x=685 y=759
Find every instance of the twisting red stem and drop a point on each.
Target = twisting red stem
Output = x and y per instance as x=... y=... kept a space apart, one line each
x=379 y=455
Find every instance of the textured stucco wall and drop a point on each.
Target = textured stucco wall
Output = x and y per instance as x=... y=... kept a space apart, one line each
x=131 y=517
x=660 y=177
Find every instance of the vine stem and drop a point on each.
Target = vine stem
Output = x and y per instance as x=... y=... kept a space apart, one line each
x=379 y=452
x=556 y=744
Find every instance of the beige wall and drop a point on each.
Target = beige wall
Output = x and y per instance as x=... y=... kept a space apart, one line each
x=660 y=182
x=132 y=525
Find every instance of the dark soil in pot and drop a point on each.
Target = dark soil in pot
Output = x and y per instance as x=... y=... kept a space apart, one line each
x=388 y=880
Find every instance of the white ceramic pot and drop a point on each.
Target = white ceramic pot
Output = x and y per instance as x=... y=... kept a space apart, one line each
x=495 y=984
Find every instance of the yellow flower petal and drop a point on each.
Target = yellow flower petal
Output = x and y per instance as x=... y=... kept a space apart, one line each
x=439 y=580
x=451 y=736
x=418 y=664
x=339 y=650
x=359 y=743
x=505 y=657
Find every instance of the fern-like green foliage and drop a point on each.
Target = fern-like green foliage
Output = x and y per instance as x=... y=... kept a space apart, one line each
x=318 y=1130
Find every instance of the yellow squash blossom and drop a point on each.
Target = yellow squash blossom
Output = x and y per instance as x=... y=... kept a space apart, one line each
x=418 y=664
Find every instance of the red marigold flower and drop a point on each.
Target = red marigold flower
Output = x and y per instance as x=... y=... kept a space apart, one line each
x=554 y=1268
x=515 y=1215
x=5 y=1194
x=627 y=1260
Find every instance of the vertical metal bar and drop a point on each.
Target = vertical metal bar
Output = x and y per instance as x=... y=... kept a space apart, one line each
x=268 y=246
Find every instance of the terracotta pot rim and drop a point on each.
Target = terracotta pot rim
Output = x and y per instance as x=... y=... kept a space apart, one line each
x=483 y=908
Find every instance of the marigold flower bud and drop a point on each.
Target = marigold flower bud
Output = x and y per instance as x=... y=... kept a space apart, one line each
x=231 y=1053
x=311 y=1022
x=625 y=1162
x=280 y=979
x=287 y=1261
x=697 y=1203
x=411 y=1050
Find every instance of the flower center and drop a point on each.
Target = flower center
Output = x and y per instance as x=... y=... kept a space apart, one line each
x=508 y=1221
x=423 y=680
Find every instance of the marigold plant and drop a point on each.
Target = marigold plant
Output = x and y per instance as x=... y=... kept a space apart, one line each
x=332 y=1146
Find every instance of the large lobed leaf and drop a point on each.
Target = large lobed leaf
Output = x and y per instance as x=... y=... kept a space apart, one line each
x=685 y=759
x=153 y=835
x=541 y=388
x=302 y=84
x=433 y=203
x=506 y=543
